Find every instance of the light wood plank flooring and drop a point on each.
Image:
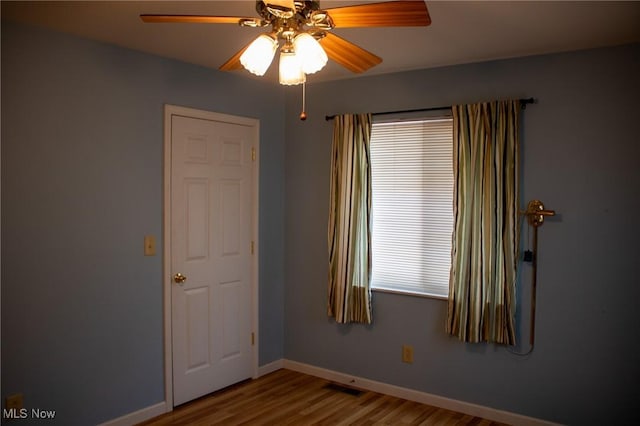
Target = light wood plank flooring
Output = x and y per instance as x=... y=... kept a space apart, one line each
x=287 y=397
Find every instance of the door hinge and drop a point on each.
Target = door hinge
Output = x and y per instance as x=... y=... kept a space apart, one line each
x=253 y=339
x=253 y=153
x=253 y=247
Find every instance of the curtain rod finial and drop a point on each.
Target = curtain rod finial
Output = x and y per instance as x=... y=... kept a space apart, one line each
x=524 y=102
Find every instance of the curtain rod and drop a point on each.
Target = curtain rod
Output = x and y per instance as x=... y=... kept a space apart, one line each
x=523 y=103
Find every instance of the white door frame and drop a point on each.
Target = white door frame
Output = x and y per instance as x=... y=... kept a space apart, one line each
x=169 y=111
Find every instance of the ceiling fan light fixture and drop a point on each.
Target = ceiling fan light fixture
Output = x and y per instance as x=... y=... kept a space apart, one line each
x=312 y=56
x=259 y=55
x=291 y=69
x=301 y=24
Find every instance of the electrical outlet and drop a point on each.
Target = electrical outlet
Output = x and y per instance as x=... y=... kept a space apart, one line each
x=14 y=402
x=407 y=354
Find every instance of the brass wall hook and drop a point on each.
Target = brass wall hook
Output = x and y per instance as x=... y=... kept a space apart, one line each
x=536 y=212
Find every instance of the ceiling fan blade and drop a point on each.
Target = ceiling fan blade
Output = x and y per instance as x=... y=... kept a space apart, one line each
x=347 y=54
x=193 y=19
x=386 y=14
x=234 y=62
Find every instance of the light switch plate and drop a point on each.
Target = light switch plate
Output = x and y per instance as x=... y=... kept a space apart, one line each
x=149 y=245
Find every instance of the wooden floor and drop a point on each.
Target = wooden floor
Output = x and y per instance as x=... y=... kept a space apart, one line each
x=286 y=397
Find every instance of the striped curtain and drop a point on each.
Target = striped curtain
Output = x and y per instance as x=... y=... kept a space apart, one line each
x=350 y=220
x=485 y=237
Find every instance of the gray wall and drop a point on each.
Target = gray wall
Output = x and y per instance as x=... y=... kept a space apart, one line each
x=82 y=134
x=580 y=157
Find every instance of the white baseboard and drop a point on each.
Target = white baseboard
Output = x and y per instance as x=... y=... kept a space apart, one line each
x=271 y=367
x=417 y=396
x=139 y=416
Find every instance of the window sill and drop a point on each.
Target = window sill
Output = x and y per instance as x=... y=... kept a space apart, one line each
x=410 y=293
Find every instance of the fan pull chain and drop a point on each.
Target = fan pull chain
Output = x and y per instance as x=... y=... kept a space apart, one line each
x=303 y=114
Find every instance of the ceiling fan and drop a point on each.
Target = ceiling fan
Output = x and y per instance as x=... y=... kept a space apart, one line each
x=305 y=32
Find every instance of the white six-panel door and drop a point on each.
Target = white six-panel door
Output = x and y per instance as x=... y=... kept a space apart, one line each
x=211 y=244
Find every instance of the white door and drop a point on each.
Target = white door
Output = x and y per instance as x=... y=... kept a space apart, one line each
x=211 y=247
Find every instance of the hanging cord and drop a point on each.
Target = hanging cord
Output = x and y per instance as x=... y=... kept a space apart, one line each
x=303 y=114
x=527 y=242
x=532 y=320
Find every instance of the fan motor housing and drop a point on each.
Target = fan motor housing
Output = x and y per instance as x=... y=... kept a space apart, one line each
x=287 y=22
x=269 y=10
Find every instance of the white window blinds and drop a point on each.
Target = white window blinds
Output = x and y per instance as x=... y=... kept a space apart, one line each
x=412 y=205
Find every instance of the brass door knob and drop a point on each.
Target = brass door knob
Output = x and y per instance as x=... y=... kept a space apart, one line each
x=179 y=278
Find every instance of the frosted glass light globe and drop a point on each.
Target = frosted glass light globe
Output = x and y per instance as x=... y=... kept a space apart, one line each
x=258 y=56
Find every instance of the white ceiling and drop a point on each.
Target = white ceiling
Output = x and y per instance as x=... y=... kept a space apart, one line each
x=461 y=32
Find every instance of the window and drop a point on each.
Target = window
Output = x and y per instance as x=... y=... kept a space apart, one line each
x=412 y=205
